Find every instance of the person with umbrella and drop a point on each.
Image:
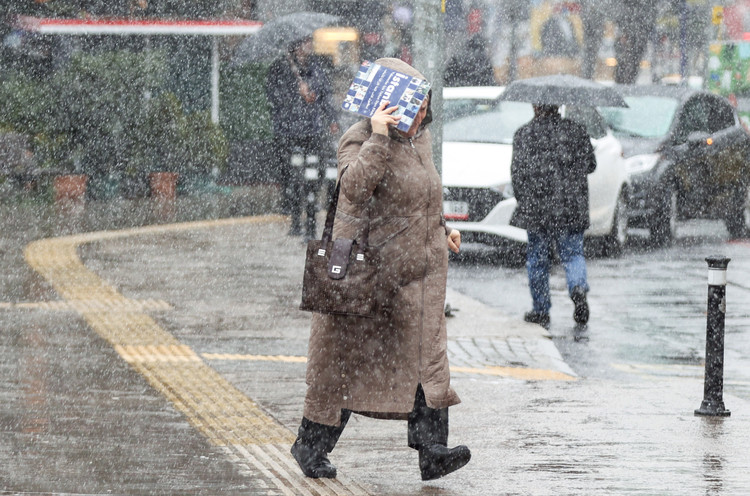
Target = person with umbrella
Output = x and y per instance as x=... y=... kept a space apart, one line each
x=552 y=158
x=303 y=118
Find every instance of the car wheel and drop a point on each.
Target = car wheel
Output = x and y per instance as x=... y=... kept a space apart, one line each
x=663 y=228
x=738 y=218
x=615 y=240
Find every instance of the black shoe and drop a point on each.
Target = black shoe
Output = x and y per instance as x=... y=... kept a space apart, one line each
x=581 y=311
x=436 y=460
x=314 y=463
x=537 y=318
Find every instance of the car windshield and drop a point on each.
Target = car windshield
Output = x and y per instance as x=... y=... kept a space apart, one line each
x=647 y=116
x=456 y=108
x=495 y=124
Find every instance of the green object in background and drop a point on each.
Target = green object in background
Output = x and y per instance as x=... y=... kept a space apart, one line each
x=729 y=70
x=109 y=115
x=104 y=187
x=729 y=75
x=245 y=113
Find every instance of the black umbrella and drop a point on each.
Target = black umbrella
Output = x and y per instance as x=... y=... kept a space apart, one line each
x=562 y=89
x=275 y=37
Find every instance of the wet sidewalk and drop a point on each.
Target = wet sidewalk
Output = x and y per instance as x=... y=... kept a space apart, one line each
x=170 y=359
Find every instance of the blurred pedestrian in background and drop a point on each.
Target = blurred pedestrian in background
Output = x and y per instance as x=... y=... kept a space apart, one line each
x=471 y=66
x=303 y=117
x=395 y=365
x=552 y=157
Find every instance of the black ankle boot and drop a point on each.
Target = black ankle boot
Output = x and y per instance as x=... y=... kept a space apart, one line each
x=436 y=460
x=313 y=462
x=537 y=318
x=314 y=442
x=581 y=311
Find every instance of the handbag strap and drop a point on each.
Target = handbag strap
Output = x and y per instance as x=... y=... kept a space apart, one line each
x=332 y=206
x=328 y=229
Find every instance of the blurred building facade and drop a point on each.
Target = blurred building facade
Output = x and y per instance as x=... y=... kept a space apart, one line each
x=523 y=38
x=602 y=39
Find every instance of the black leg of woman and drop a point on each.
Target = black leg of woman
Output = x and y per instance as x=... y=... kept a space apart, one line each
x=428 y=433
x=314 y=442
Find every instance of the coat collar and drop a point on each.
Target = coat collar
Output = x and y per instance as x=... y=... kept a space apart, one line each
x=395 y=135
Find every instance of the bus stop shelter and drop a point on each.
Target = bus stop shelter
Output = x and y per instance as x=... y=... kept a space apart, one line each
x=150 y=27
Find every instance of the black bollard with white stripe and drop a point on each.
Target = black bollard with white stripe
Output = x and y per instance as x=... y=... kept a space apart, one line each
x=713 y=387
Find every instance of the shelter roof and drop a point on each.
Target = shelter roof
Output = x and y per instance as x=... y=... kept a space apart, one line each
x=119 y=26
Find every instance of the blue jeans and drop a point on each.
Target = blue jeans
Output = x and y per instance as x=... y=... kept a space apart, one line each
x=570 y=248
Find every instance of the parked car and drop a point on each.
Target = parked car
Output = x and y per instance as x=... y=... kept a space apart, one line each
x=686 y=153
x=469 y=100
x=477 y=150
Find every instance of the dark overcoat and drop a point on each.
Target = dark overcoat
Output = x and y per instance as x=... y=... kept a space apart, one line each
x=374 y=366
x=290 y=115
x=552 y=157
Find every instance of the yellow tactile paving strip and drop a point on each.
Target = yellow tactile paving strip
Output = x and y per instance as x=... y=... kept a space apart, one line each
x=130 y=305
x=221 y=412
x=524 y=373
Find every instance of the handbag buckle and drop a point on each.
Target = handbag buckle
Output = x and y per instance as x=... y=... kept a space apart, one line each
x=339 y=260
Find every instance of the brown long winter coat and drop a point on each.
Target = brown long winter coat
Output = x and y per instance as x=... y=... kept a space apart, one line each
x=373 y=366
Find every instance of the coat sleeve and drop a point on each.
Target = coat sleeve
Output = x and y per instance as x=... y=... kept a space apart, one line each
x=518 y=168
x=365 y=157
x=319 y=81
x=322 y=87
x=276 y=88
x=586 y=155
x=445 y=226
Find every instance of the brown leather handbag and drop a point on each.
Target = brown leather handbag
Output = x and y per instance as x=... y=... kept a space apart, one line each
x=340 y=275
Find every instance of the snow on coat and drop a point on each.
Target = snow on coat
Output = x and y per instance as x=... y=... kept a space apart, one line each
x=552 y=157
x=373 y=366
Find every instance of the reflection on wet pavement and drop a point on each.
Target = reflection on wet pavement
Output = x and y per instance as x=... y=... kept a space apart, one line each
x=80 y=412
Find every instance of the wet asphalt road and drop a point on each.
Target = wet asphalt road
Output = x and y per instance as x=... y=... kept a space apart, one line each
x=76 y=418
x=648 y=306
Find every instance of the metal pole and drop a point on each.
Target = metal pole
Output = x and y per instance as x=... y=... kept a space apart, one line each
x=713 y=388
x=683 y=39
x=429 y=57
x=215 y=79
x=513 y=61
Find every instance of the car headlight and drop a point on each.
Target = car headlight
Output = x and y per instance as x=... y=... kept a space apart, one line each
x=639 y=164
x=505 y=189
